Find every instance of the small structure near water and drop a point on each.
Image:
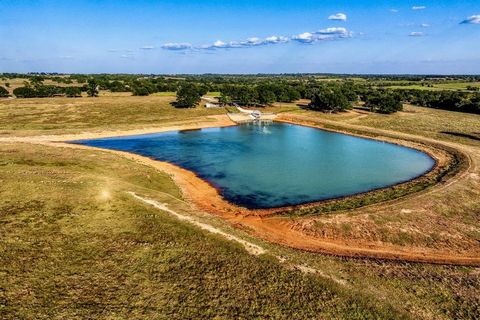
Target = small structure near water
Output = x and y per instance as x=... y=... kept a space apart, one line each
x=246 y=116
x=212 y=105
x=211 y=102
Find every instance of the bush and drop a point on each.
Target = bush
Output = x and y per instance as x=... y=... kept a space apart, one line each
x=73 y=92
x=25 y=92
x=140 y=91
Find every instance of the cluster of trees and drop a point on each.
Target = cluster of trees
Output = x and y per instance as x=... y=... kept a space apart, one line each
x=36 y=89
x=337 y=97
x=263 y=93
x=43 y=91
x=445 y=100
x=326 y=97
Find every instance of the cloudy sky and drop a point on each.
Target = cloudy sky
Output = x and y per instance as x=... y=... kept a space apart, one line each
x=243 y=36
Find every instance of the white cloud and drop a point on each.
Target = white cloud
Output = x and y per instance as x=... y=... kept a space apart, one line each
x=148 y=47
x=127 y=56
x=176 y=46
x=219 y=44
x=419 y=8
x=393 y=10
x=324 y=34
x=338 y=16
x=416 y=34
x=475 y=19
x=250 y=42
x=425 y=25
x=276 y=39
x=306 y=37
x=334 y=31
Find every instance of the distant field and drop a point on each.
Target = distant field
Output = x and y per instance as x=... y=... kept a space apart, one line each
x=439 y=86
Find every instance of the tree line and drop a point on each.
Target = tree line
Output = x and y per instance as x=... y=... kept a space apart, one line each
x=326 y=93
x=36 y=89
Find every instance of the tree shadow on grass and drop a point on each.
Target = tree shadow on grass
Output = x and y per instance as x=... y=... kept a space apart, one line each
x=474 y=136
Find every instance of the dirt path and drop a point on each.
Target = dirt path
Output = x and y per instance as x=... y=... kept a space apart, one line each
x=249 y=247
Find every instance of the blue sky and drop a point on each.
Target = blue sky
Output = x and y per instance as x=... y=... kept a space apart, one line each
x=240 y=36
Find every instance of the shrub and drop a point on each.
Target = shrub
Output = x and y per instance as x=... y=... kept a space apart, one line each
x=25 y=92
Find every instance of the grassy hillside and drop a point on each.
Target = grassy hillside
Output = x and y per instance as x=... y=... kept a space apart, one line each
x=109 y=112
x=75 y=244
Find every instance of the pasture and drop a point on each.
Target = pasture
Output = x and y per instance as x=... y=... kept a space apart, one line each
x=75 y=244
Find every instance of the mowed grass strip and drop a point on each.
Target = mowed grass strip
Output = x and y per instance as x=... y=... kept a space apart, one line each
x=74 y=244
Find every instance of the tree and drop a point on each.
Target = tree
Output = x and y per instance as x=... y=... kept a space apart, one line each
x=265 y=95
x=188 y=95
x=92 y=88
x=348 y=90
x=224 y=99
x=384 y=102
x=3 y=92
x=329 y=99
x=247 y=95
x=292 y=94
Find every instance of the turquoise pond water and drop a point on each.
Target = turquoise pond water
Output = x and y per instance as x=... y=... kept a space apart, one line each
x=273 y=165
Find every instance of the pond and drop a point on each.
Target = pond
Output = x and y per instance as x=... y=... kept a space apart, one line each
x=275 y=165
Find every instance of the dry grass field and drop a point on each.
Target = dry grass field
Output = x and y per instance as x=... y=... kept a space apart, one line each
x=115 y=111
x=75 y=244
